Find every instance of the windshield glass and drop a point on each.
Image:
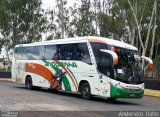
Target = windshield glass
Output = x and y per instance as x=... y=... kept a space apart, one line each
x=129 y=67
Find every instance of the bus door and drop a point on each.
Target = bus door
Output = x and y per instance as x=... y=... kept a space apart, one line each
x=104 y=66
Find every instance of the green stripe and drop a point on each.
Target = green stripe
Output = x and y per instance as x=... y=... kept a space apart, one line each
x=73 y=76
x=65 y=81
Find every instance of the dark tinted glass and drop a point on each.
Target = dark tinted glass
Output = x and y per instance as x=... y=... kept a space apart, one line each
x=50 y=52
x=104 y=64
x=19 y=53
x=83 y=53
x=76 y=51
x=96 y=49
x=29 y=53
x=102 y=59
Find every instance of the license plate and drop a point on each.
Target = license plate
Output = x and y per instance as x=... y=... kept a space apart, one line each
x=132 y=95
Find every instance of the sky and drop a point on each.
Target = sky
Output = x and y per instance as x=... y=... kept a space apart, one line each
x=51 y=3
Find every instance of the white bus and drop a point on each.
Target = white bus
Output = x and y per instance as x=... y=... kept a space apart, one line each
x=93 y=66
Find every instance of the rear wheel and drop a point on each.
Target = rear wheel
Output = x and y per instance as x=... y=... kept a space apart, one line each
x=85 y=91
x=29 y=83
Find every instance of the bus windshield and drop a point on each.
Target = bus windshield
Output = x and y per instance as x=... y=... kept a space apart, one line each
x=129 y=67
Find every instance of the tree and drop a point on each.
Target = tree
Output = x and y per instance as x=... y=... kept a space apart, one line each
x=154 y=29
x=84 y=23
x=144 y=44
x=21 y=21
x=157 y=64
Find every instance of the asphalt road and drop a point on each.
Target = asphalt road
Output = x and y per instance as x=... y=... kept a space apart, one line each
x=15 y=97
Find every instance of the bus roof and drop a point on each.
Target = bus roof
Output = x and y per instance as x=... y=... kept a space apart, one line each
x=84 y=39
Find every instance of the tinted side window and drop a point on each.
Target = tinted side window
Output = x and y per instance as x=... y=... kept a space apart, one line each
x=28 y=53
x=19 y=53
x=64 y=51
x=76 y=51
x=16 y=53
x=33 y=52
x=51 y=52
x=42 y=51
x=83 y=53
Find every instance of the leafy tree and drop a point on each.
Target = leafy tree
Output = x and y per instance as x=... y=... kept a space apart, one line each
x=83 y=19
x=157 y=64
x=21 y=21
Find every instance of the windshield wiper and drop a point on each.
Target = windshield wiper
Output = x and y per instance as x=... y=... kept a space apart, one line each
x=134 y=70
x=130 y=67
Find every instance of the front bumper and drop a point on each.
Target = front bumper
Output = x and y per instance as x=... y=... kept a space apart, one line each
x=116 y=92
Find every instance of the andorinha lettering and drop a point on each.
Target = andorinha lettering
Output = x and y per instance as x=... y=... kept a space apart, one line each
x=57 y=64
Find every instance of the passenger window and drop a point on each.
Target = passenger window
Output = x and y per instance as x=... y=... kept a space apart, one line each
x=83 y=53
x=42 y=50
x=29 y=51
x=76 y=51
x=19 y=53
x=51 y=52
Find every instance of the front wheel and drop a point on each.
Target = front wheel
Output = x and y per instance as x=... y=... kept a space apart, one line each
x=29 y=83
x=85 y=91
x=112 y=99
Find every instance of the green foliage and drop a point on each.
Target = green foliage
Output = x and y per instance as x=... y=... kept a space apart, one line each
x=24 y=21
x=157 y=62
x=21 y=21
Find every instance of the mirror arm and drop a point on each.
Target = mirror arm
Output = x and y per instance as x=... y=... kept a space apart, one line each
x=149 y=60
x=113 y=54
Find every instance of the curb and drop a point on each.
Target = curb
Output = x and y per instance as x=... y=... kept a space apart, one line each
x=150 y=92
x=6 y=79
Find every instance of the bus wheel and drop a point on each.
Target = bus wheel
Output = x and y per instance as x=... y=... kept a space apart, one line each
x=112 y=99
x=85 y=91
x=29 y=83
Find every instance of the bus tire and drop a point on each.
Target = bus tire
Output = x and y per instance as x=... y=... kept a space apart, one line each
x=29 y=83
x=85 y=90
x=112 y=99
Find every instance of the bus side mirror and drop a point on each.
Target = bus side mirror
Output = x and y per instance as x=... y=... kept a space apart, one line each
x=113 y=54
x=149 y=61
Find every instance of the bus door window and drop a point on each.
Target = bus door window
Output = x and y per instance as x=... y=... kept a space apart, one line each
x=102 y=59
x=104 y=64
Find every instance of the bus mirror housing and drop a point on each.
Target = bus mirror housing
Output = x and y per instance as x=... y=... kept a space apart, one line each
x=113 y=54
x=149 y=61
